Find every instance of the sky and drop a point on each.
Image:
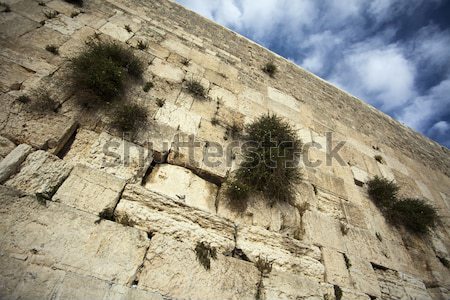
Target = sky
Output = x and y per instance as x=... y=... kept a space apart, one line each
x=393 y=54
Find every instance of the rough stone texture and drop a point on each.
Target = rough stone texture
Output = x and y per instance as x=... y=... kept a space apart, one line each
x=64 y=254
x=41 y=173
x=154 y=212
x=110 y=154
x=287 y=286
x=190 y=188
x=6 y=146
x=171 y=268
x=90 y=190
x=45 y=235
x=48 y=131
x=11 y=163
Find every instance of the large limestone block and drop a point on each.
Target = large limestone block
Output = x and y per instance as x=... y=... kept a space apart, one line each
x=171 y=268
x=23 y=280
x=58 y=236
x=209 y=159
x=10 y=164
x=64 y=24
x=11 y=75
x=321 y=229
x=288 y=286
x=116 y=32
x=90 y=190
x=14 y=25
x=336 y=270
x=327 y=182
x=363 y=276
x=179 y=118
x=154 y=212
x=41 y=173
x=181 y=183
x=49 y=131
x=279 y=217
x=110 y=154
x=167 y=71
x=283 y=99
x=360 y=176
x=6 y=146
x=287 y=254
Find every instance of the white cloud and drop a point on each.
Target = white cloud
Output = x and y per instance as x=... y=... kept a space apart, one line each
x=422 y=109
x=356 y=44
x=382 y=77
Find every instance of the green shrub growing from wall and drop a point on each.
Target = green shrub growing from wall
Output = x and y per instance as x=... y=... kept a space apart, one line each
x=101 y=70
x=270 y=158
x=382 y=191
x=415 y=215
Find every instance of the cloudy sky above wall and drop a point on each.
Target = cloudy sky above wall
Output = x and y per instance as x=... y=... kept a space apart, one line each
x=394 y=54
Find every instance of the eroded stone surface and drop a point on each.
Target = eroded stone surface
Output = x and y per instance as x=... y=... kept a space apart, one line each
x=181 y=183
x=171 y=268
x=110 y=154
x=154 y=212
x=11 y=163
x=61 y=237
x=90 y=190
x=41 y=173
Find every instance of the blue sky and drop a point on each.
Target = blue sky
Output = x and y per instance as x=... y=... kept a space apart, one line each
x=394 y=54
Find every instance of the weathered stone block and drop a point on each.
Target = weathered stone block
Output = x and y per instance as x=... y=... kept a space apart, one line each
x=41 y=173
x=110 y=154
x=336 y=271
x=11 y=163
x=6 y=146
x=116 y=32
x=68 y=239
x=154 y=212
x=287 y=254
x=63 y=24
x=179 y=118
x=90 y=190
x=167 y=71
x=181 y=183
x=171 y=268
x=288 y=286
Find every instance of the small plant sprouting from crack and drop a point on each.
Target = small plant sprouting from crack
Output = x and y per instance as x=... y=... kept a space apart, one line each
x=128 y=28
x=264 y=266
x=348 y=264
x=195 y=88
x=142 y=45
x=270 y=69
x=160 y=102
x=50 y=14
x=185 y=61
x=105 y=214
x=204 y=253
x=41 y=199
x=379 y=159
x=6 y=7
x=148 y=86
x=24 y=99
x=52 y=49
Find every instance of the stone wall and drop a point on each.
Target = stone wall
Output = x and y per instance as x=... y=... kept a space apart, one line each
x=60 y=170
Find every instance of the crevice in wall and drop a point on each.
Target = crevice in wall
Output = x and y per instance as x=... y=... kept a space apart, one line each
x=67 y=144
x=134 y=280
x=337 y=292
x=109 y=212
x=148 y=171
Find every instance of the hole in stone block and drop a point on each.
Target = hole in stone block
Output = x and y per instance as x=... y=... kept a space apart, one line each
x=359 y=183
x=378 y=267
x=337 y=292
x=150 y=235
x=239 y=254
